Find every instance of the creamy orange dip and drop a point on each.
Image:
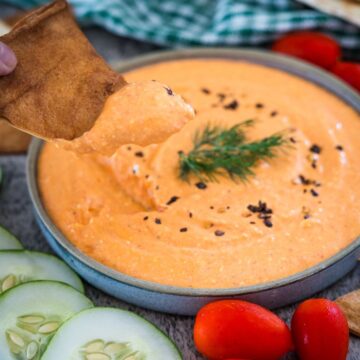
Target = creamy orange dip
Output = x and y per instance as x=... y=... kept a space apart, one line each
x=143 y=113
x=131 y=211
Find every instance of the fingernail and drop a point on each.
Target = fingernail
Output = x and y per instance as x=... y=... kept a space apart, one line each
x=8 y=60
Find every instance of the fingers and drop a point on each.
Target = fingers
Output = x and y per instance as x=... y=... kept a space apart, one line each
x=8 y=60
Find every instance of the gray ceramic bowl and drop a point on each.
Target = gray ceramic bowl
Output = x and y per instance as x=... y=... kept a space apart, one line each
x=187 y=301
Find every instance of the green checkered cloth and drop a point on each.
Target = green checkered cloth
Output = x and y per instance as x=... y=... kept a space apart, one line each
x=207 y=22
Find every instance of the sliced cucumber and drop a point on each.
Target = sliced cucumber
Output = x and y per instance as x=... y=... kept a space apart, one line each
x=109 y=334
x=8 y=241
x=19 y=266
x=31 y=313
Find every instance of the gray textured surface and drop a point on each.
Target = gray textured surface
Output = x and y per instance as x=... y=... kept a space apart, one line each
x=16 y=213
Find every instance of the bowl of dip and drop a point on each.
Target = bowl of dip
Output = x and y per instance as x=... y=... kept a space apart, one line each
x=132 y=228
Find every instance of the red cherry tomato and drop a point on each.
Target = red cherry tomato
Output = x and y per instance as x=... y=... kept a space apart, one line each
x=320 y=331
x=239 y=329
x=349 y=72
x=313 y=47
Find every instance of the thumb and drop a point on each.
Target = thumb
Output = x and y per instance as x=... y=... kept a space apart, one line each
x=7 y=60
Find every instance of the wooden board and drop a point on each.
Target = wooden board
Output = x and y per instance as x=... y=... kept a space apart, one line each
x=345 y=9
x=12 y=140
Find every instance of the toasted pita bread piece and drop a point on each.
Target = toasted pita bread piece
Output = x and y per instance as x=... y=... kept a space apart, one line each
x=60 y=84
x=350 y=305
x=11 y=139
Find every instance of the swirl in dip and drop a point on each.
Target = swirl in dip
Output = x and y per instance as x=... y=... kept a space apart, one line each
x=132 y=212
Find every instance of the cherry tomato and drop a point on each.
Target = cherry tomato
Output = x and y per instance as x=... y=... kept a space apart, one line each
x=320 y=331
x=349 y=72
x=313 y=47
x=242 y=330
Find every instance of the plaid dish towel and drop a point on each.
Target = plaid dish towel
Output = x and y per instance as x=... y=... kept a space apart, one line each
x=206 y=22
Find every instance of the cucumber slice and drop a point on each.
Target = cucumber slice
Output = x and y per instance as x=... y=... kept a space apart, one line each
x=31 y=313
x=8 y=241
x=18 y=266
x=109 y=334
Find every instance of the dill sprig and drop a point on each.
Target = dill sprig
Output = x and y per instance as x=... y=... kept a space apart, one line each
x=218 y=152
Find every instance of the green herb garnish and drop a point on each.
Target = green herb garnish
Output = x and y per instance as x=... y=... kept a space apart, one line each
x=218 y=152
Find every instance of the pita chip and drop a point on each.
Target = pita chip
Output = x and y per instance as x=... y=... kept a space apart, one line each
x=60 y=84
x=350 y=305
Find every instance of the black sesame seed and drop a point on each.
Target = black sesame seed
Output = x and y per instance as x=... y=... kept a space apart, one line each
x=304 y=180
x=292 y=140
x=314 y=164
x=190 y=215
x=184 y=229
x=339 y=147
x=259 y=105
x=172 y=200
x=316 y=149
x=219 y=233
x=268 y=223
x=158 y=221
x=206 y=91
x=252 y=222
x=252 y=208
x=306 y=216
x=146 y=218
x=232 y=106
x=314 y=193
x=169 y=91
x=273 y=113
x=139 y=154
x=201 y=185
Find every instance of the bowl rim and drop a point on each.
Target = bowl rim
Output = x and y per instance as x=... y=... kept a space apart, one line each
x=283 y=63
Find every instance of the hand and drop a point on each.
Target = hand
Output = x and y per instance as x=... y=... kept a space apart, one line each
x=8 y=60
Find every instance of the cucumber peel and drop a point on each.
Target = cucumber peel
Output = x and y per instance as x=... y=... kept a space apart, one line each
x=110 y=334
x=20 y=266
x=8 y=241
x=30 y=315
